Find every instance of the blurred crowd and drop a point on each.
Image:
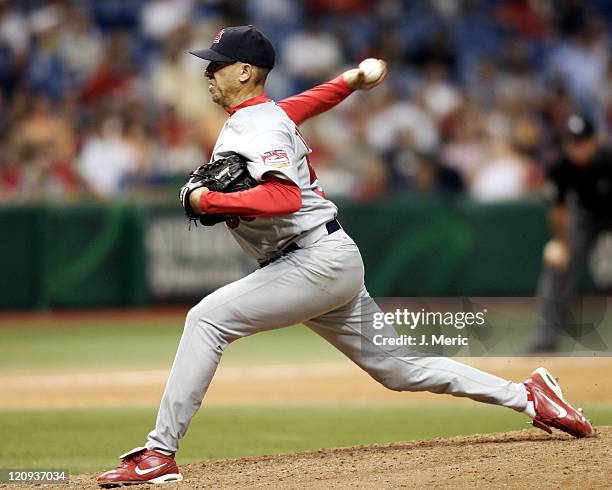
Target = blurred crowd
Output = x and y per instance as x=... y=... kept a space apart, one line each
x=101 y=98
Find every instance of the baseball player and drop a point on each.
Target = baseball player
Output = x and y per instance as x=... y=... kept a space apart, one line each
x=310 y=272
x=580 y=187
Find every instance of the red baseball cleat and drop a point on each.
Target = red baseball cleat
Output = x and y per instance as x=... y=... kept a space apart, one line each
x=141 y=465
x=551 y=408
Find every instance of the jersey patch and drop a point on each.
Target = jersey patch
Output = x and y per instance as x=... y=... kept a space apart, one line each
x=276 y=159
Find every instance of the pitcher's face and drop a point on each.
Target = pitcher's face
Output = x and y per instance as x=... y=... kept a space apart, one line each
x=223 y=80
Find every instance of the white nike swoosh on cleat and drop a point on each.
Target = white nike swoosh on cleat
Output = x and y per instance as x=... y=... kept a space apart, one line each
x=148 y=470
x=561 y=410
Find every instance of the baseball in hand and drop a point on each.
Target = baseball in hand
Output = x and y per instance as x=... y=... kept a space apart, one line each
x=372 y=69
x=556 y=254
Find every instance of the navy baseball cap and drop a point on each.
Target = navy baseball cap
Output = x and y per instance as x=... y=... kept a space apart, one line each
x=241 y=43
x=579 y=127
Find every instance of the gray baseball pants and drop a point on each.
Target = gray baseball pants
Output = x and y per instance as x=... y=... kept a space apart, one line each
x=321 y=286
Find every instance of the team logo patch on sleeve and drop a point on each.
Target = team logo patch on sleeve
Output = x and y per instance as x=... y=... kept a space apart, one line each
x=276 y=159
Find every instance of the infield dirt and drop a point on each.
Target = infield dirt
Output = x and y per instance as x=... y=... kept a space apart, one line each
x=520 y=459
x=584 y=381
x=528 y=458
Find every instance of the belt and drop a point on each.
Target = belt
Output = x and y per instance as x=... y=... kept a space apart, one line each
x=332 y=227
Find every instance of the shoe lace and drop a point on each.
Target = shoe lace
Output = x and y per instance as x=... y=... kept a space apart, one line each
x=128 y=461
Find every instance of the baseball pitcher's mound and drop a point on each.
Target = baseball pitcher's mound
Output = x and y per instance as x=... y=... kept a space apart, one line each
x=522 y=459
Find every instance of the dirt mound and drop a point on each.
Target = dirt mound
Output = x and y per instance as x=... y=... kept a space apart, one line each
x=521 y=459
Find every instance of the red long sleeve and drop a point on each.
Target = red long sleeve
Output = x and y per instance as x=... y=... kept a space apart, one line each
x=318 y=99
x=275 y=197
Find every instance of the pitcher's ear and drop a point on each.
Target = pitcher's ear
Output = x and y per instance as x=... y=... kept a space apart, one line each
x=246 y=72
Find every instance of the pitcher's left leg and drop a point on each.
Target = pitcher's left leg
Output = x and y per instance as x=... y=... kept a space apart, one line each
x=539 y=397
x=400 y=369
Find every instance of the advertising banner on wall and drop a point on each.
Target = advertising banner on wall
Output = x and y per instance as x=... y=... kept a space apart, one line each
x=185 y=263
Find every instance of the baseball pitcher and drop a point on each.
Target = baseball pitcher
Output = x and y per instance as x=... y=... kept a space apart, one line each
x=261 y=184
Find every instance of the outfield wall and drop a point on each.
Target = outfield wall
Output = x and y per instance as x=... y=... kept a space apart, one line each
x=120 y=254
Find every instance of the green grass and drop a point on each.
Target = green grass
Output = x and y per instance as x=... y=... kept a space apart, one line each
x=100 y=342
x=141 y=346
x=90 y=440
x=108 y=344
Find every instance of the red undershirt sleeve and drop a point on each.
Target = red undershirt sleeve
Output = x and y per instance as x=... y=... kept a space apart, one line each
x=318 y=99
x=275 y=197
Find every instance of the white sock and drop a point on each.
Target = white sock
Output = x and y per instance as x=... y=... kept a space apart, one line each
x=529 y=408
x=163 y=451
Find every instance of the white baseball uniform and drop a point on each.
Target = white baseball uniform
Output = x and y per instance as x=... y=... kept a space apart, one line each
x=272 y=144
x=319 y=284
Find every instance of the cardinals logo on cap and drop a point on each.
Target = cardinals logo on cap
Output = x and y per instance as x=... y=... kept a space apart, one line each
x=218 y=36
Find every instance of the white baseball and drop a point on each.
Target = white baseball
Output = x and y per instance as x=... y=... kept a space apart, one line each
x=556 y=254
x=372 y=69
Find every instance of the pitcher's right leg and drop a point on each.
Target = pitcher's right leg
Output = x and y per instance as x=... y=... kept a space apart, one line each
x=298 y=286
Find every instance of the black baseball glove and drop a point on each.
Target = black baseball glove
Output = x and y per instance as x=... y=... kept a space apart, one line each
x=229 y=174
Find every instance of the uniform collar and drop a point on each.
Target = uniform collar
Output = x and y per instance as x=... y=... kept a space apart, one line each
x=258 y=99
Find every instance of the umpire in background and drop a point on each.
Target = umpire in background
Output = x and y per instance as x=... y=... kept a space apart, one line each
x=580 y=189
